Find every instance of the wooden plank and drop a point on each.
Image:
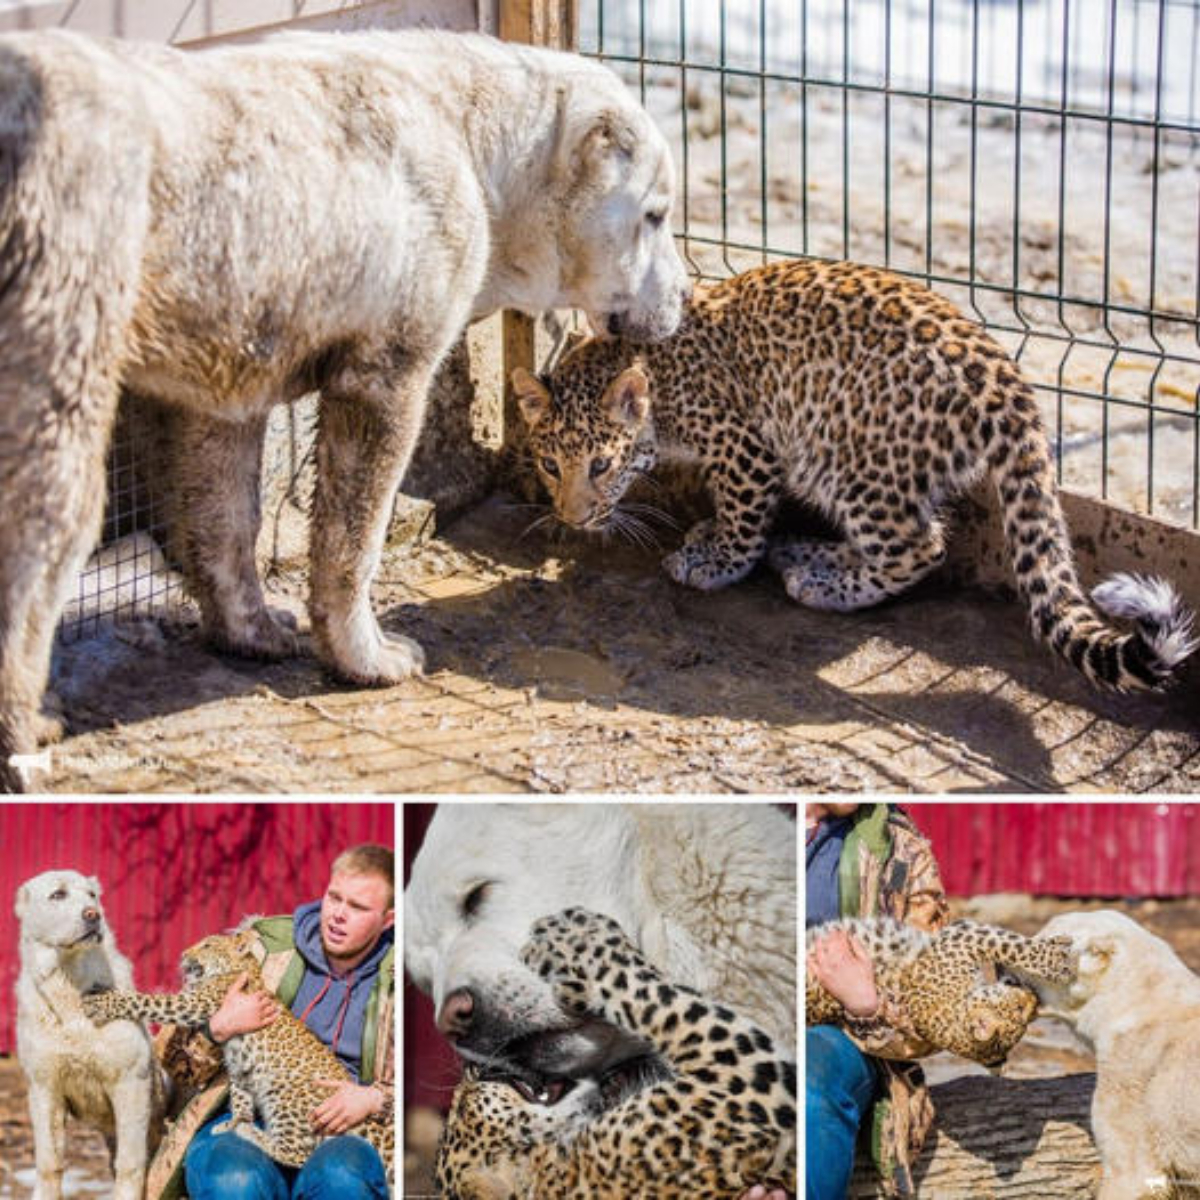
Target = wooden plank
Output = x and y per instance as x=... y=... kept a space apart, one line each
x=185 y=21
x=552 y=23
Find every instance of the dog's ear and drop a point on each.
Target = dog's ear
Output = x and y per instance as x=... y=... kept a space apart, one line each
x=1096 y=954
x=627 y=400
x=533 y=397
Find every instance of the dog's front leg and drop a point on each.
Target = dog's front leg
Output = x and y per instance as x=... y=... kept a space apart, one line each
x=130 y=1097
x=216 y=513
x=47 y=1115
x=370 y=420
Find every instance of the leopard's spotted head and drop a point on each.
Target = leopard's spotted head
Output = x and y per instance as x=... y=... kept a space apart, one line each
x=219 y=955
x=590 y=433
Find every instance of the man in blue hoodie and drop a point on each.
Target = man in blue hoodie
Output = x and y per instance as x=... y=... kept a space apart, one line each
x=331 y=963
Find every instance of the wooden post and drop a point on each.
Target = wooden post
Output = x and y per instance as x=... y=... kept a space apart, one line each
x=551 y=23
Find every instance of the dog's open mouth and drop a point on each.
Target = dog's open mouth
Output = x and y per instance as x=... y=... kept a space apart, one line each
x=613 y=1086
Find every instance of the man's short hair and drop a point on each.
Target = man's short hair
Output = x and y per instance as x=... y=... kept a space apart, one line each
x=369 y=859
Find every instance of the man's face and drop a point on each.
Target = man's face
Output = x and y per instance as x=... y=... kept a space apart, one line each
x=354 y=912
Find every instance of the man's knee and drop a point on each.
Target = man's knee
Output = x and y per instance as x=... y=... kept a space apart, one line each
x=836 y=1070
x=346 y=1166
x=227 y=1167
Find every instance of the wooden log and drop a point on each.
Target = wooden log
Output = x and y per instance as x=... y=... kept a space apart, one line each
x=1003 y=1139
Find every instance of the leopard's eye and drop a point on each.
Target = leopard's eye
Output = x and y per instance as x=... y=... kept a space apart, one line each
x=474 y=898
x=550 y=466
x=600 y=466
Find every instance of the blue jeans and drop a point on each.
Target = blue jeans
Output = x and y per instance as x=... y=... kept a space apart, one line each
x=227 y=1167
x=839 y=1086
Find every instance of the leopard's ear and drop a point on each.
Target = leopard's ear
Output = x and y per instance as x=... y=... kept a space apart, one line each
x=533 y=397
x=627 y=400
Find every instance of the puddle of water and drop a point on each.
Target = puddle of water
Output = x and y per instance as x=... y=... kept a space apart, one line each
x=562 y=674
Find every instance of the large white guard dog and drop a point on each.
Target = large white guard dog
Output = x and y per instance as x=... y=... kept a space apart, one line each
x=227 y=228
x=1137 y=1006
x=707 y=891
x=107 y=1077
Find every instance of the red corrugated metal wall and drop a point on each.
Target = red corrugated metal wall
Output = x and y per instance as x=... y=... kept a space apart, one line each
x=1085 y=849
x=172 y=873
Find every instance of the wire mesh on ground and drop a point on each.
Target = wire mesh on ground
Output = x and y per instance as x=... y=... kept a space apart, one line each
x=1034 y=162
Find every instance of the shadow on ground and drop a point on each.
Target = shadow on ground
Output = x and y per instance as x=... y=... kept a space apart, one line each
x=565 y=665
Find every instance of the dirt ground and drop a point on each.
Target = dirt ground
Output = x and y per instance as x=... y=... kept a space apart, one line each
x=559 y=664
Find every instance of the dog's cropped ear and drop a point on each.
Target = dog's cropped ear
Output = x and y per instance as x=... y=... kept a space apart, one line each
x=627 y=400
x=611 y=135
x=1095 y=954
x=533 y=397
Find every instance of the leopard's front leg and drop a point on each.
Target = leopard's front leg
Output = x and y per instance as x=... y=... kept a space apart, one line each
x=745 y=491
x=594 y=968
x=191 y=1008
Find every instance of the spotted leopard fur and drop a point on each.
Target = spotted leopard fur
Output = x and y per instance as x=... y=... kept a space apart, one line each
x=724 y=1120
x=937 y=981
x=272 y=1071
x=866 y=395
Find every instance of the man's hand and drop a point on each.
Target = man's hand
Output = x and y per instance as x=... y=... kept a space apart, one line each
x=841 y=965
x=349 y=1104
x=242 y=1011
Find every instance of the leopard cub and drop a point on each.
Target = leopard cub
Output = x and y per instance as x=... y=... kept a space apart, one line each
x=718 y=1117
x=936 y=980
x=272 y=1072
x=873 y=399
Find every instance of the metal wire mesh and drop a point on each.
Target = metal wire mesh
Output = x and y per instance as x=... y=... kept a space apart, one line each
x=1036 y=162
x=128 y=576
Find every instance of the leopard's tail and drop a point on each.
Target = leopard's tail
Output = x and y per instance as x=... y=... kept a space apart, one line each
x=1159 y=631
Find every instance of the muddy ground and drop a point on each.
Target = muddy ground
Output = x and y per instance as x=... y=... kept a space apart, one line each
x=558 y=664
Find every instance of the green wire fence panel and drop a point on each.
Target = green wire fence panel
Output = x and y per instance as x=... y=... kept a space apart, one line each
x=1037 y=161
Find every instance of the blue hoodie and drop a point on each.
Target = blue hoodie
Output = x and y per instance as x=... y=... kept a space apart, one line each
x=334 y=1007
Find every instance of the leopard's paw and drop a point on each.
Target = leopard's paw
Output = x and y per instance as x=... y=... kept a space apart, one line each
x=97 y=1007
x=571 y=949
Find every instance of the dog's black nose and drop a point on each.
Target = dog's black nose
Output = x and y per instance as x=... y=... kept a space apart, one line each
x=457 y=1011
x=615 y=323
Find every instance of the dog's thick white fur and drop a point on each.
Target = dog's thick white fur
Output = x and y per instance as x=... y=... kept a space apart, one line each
x=707 y=891
x=1137 y=1006
x=107 y=1077
x=228 y=228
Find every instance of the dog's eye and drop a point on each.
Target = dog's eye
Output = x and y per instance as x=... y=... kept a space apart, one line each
x=550 y=466
x=59 y=894
x=474 y=898
x=600 y=466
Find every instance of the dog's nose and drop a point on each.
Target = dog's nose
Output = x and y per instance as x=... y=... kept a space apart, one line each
x=91 y=915
x=454 y=1019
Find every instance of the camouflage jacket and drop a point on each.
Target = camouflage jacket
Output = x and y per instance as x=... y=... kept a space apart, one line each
x=887 y=869
x=194 y=1063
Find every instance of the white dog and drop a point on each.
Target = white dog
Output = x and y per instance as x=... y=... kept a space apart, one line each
x=108 y=1076
x=246 y=224
x=707 y=891
x=1138 y=1008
